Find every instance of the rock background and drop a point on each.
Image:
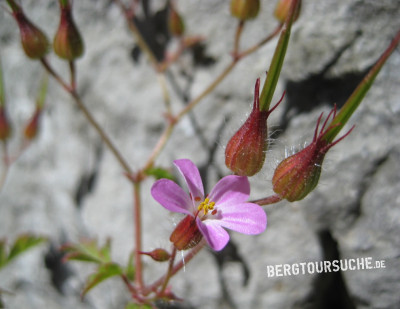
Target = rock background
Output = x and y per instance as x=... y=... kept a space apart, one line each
x=68 y=186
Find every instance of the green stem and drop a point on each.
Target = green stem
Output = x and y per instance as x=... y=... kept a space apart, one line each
x=359 y=93
x=277 y=61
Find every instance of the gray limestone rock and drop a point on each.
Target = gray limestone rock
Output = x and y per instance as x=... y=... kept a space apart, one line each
x=68 y=186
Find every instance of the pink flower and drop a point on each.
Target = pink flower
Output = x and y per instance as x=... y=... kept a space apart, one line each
x=224 y=207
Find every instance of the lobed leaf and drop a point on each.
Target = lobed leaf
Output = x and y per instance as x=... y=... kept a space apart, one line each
x=88 y=251
x=105 y=271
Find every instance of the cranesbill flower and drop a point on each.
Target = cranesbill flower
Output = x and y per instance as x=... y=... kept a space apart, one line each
x=206 y=216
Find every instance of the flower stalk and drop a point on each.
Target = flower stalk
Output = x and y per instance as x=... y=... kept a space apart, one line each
x=359 y=93
x=275 y=68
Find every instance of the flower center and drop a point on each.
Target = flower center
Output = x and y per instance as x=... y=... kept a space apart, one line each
x=207 y=206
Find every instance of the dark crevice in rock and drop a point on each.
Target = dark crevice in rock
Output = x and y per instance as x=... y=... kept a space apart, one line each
x=88 y=180
x=59 y=271
x=319 y=89
x=329 y=288
x=153 y=26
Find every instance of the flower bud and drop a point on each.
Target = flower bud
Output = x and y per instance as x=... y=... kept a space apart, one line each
x=245 y=151
x=32 y=128
x=245 y=9
x=175 y=22
x=296 y=176
x=282 y=10
x=159 y=255
x=186 y=234
x=5 y=127
x=68 y=43
x=33 y=40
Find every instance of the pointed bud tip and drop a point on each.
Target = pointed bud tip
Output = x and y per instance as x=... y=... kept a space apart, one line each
x=5 y=127
x=298 y=175
x=159 y=255
x=176 y=24
x=34 y=42
x=68 y=43
x=282 y=10
x=246 y=150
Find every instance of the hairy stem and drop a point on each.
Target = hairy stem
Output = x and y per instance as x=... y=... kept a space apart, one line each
x=267 y=200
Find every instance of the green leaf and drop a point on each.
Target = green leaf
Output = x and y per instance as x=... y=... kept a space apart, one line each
x=105 y=271
x=159 y=172
x=275 y=68
x=130 y=268
x=136 y=306
x=88 y=251
x=3 y=255
x=23 y=243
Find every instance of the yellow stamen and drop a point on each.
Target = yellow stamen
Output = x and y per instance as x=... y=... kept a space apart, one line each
x=206 y=205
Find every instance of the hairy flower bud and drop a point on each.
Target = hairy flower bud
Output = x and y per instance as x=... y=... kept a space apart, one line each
x=282 y=10
x=245 y=9
x=159 y=255
x=245 y=151
x=175 y=22
x=296 y=176
x=5 y=127
x=68 y=43
x=33 y=40
x=186 y=234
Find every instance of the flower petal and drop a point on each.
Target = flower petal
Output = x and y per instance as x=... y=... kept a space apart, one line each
x=192 y=177
x=171 y=196
x=246 y=218
x=230 y=189
x=215 y=235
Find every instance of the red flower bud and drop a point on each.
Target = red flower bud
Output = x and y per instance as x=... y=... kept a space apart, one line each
x=159 y=255
x=296 y=176
x=245 y=9
x=5 y=127
x=245 y=152
x=68 y=43
x=175 y=22
x=33 y=40
x=186 y=234
x=282 y=10
x=32 y=128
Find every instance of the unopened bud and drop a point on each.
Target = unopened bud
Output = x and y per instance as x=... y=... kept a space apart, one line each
x=245 y=9
x=296 y=176
x=175 y=22
x=159 y=255
x=186 y=234
x=32 y=128
x=68 y=43
x=5 y=127
x=246 y=150
x=282 y=10
x=33 y=40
